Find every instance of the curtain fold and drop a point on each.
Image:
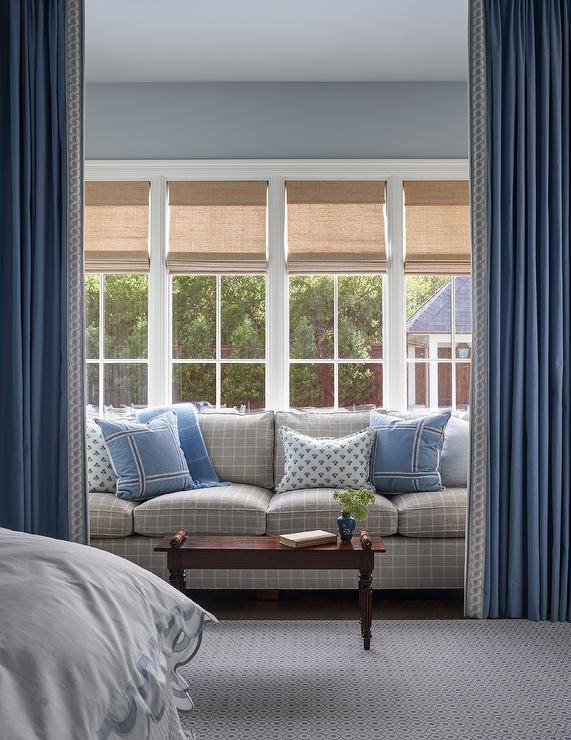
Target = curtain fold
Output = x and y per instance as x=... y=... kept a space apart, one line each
x=41 y=331
x=528 y=342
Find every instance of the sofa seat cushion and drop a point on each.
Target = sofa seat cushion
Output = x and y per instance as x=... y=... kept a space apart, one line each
x=240 y=446
x=432 y=514
x=235 y=509
x=110 y=516
x=314 y=508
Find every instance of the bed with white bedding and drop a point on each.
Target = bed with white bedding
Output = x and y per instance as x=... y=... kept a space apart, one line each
x=90 y=644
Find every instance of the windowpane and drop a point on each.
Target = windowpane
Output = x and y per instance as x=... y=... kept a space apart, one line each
x=360 y=384
x=429 y=385
x=311 y=317
x=194 y=381
x=428 y=314
x=418 y=385
x=125 y=384
x=360 y=312
x=444 y=374
x=126 y=316
x=243 y=317
x=243 y=385
x=463 y=385
x=311 y=385
x=92 y=386
x=194 y=317
x=463 y=316
x=92 y=316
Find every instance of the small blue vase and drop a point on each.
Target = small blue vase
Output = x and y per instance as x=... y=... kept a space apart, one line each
x=346 y=526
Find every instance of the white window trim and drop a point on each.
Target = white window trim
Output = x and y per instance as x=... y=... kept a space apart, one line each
x=276 y=172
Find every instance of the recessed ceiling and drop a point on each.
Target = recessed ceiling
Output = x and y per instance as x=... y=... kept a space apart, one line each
x=275 y=40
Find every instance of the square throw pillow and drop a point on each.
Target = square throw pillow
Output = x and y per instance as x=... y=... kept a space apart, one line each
x=100 y=475
x=406 y=456
x=147 y=458
x=318 y=462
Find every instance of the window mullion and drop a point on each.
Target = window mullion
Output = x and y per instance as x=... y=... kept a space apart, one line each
x=101 y=367
x=335 y=341
x=277 y=304
x=395 y=307
x=218 y=342
x=453 y=339
x=159 y=351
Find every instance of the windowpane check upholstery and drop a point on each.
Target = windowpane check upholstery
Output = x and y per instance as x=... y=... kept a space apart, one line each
x=235 y=509
x=240 y=447
x=110 y=516
x=432 y=514
x=303 y=511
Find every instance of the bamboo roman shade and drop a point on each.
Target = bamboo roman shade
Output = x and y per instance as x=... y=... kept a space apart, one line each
x=437 y=223
x=217 y=227
x=336 y=226
x=116 y=226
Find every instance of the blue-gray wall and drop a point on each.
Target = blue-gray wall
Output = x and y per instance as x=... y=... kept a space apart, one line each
x=276 y=120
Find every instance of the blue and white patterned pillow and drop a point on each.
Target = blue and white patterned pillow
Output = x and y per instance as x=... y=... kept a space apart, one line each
x=147 y=458
x=406 y=457
x=100 y=475
x=318 y=462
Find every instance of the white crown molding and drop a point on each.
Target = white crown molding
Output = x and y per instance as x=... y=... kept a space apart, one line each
x=262 y=169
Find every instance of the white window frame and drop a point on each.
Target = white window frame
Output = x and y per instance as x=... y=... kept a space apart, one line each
x=276 y=173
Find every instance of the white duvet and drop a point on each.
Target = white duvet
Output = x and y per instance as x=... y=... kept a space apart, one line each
x=89 y=644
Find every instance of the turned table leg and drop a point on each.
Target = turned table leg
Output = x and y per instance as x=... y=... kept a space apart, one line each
x=177 y=579
x=366 y=605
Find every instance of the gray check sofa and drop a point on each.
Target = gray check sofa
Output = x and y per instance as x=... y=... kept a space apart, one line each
x=423 y=532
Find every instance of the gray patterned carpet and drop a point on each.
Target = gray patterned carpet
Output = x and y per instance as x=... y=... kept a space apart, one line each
x=294 y=680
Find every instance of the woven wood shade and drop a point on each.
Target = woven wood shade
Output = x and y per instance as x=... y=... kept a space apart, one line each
x=116 y=226
x=336 y=226
x=217 y=227
x=437 y=222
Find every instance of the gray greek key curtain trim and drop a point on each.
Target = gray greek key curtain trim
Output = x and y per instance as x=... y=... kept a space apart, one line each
x=476 y=529
x=77 y=484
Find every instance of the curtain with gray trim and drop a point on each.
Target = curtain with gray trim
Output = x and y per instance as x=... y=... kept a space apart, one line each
x=518 y=546
x=41 y=268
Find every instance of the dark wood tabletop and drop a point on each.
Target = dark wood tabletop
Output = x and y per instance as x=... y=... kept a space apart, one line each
x=229 y=543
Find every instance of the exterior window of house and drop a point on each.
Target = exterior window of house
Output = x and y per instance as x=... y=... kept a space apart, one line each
x=335 y=228
x=116 y=294
x=438 y=295
x=217 y=262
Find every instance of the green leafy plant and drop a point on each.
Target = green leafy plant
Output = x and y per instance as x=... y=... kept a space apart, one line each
x=355 y=502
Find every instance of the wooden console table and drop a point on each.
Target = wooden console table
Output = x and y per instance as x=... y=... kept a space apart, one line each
x=265 y=551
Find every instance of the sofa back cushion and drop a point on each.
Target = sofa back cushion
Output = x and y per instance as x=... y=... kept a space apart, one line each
x=240 y=446
x=455 y=456
x=316 y=424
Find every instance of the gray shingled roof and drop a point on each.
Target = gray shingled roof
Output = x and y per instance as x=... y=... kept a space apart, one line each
x=434 y=317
